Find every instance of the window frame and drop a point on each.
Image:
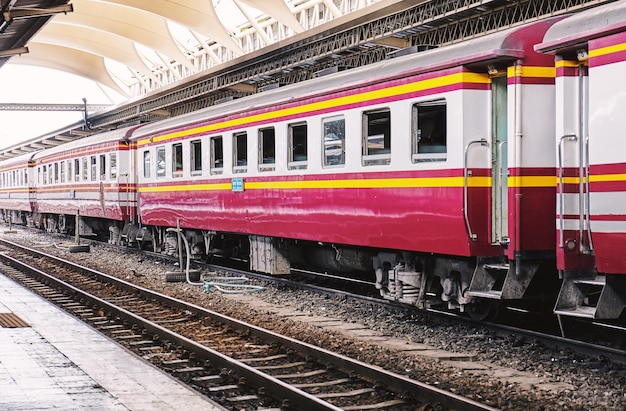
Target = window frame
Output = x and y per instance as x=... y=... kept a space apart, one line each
x=382 y=157
x=147 y=165
x=416 y=133
x=161 y=158
x=102 y=166
x=328 y=131
x=178 y=167
x=292 y=162
x=240 y=168
x=263 y=164
x=195 y=160
x=113 y=166
x=217 y=164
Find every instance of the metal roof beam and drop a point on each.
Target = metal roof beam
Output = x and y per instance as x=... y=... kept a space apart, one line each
x=13 y=52
x=29 y=12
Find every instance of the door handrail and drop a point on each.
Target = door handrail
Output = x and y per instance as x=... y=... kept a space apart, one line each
x=572 y=137
x=483 y=143
x=588 y=194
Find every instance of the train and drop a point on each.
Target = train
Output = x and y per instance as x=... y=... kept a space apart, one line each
x=467 y=176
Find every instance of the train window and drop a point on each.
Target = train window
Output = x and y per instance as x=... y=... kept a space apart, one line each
x=92 y=162
x=177 y=160
x=267 y=149
x=103 y=167
x=297 y=146
x=69 y=170
x=334 y=148
x=196 y=158
x=85 y=170
x=160 y=162
x=50 y=175
x=56 y=172
x=146 y=164
x=240 y=152
x=76 y=170
x=25 y=177
x=217 y=155
x=429 y=131
x=376 y=137
x=113 y=166
x=45 y=174
x=62 y=171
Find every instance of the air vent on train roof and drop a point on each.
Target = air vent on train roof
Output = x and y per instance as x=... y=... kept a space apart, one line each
x=411 y=50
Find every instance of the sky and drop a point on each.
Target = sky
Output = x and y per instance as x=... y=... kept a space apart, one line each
x=29 y=84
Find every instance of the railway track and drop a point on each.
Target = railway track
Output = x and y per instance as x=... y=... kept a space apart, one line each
x=238 y=365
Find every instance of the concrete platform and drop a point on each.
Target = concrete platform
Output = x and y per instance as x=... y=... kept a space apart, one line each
x=50 y=360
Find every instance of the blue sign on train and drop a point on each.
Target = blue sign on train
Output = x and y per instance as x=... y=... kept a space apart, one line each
x=237 y=184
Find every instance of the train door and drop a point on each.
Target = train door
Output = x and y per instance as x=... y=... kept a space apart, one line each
x=573 y=223
x=499 y=163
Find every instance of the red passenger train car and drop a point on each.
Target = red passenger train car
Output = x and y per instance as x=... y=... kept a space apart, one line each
x=591 y=214
x=422 y=169
x=91 y=178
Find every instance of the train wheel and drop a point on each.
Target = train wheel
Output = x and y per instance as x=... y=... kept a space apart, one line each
x=484 y=310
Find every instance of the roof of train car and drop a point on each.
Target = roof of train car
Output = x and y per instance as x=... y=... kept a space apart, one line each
x=21 y=159
x=501 y=46
x=96 y=139
x=574 y=31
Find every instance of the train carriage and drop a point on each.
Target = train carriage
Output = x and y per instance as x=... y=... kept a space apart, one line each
x=591 y=215
x=90 y=178
x=17 y=199
x=431 y=170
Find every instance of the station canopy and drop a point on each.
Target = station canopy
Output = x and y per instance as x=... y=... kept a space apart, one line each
x=135 y=46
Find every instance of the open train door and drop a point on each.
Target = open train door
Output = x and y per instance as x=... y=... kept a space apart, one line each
x=499 y=167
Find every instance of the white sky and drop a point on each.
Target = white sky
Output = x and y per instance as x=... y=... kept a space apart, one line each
x=28 y=84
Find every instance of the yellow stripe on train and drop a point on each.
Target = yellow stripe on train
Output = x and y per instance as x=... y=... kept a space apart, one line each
x=330 y=184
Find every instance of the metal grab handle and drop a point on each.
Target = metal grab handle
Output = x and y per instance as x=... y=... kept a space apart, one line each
x=572 y=137
x=483 y=143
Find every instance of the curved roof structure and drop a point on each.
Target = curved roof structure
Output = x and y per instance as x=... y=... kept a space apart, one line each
x=156 y=42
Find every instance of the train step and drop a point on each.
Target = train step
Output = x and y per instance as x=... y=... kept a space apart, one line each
x=501 y=266
x=580 y=312
x=493 y=294
x=591 y=296
x=499 y=279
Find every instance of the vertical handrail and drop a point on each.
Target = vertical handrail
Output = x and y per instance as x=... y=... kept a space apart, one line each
x=582 y=199
x=584 y=195
x=483 y=143
x=588 y=194
x=500 y=188
x=561 y=193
